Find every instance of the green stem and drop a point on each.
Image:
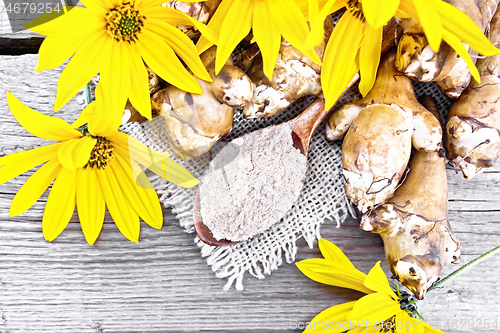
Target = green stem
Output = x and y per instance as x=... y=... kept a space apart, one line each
x=88 y=94
x=462 y=269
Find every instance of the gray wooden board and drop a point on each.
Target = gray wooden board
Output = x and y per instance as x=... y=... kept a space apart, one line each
x=163 y=284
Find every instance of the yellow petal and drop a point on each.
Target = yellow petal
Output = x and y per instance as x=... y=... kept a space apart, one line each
x=165 y=168
x=67 y=38
x=316 y=34
x=60 y=204
x=84 y=116
x=369 y=58
x=18 y=163
x=379 y=12
x=377 y=281
x=305 y=5
x=215 y=24
x=90 y=203
x=334 y=319
x=34 y=187
x=374 y=308
x=84 y=65
x=182 y=46
x=153 y=160
x=174 y=173
x=115 y=80
x=110 y=3
x=339 y=62
x=362 y=329
x=206 y=31
x=334 y=274
x=431 y=23
x=137 y=149
x=293 y=26
x=175 y=17
x=126 y=219
x=457 y=45
x=139 y=92
x=144 y=201
x=460 y=25
x=54 y=21
x=400 y=13
x=145 y=4
x=162 y=60
x=332 y=252
x=52 y=53
x=75 y=153
x=312 y=9
x=236 y=26
x=103 y=121
x=267 y=36
x=407 y=324
x=40 y=125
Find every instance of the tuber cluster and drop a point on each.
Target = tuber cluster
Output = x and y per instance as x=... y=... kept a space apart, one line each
x=472 y=131
x=414 y=225
x=416 y=58
x=381 y=129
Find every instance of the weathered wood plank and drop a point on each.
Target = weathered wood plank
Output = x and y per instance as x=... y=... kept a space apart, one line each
x=6 y=24
x=162 y=284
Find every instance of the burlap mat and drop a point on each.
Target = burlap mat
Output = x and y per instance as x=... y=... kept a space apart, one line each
x=322 y=199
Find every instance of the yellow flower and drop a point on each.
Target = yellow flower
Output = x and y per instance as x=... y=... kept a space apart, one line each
x=116 y=38
x=92 y=171
x=380 y=308
x=268 y=19
x=355 y=43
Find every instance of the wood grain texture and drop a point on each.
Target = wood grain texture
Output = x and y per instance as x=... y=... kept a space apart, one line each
x=162 y=284
x=6 y=24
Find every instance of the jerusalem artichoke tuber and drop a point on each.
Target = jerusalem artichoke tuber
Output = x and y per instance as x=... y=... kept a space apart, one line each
x=380 y=131
x=201 y=11
x=193 y=122
x=417 y=59
x=473 y=140
x=414 y=225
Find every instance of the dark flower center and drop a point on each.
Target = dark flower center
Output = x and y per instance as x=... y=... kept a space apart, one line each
x=355 y=7
x=125 y=22
x=101 y=154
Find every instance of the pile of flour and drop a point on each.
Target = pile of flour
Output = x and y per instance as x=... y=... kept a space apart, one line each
x=252 y=183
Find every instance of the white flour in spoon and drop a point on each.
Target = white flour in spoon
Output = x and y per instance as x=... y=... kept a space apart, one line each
x=252 y=183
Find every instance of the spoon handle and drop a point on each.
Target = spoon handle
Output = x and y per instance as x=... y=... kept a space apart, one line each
x=306 y=123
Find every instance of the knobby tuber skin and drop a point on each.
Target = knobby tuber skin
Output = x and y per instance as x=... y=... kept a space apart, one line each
x=201 y=11
x=472 y=131
x=193 y=122
x=381 y=129
x=130 y=113
x=294 y=76
x=414 y=225
x=455 y=76
x=415 y=57
x=231 y=86
x=417 y=60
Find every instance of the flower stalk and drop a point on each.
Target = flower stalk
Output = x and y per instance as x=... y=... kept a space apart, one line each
x=88 y=94
x=462 y=269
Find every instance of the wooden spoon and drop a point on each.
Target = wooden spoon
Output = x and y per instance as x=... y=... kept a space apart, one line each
x=303 y=127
